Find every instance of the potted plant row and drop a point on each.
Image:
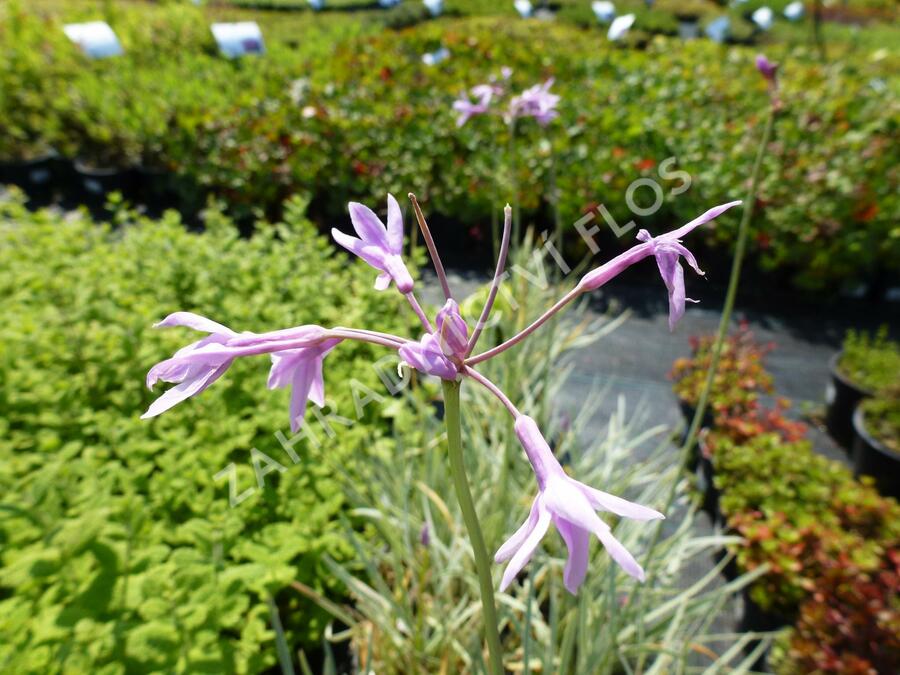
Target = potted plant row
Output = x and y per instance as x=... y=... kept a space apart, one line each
x=794 y=509
x=876 y=443
x=865 y=365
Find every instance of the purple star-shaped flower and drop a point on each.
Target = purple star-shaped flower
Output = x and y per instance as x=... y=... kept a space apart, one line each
x=484 y=94
x=197 y=366
x=571 y=507
x=301 y=369
x=667 y=248
x=378 y=245
x=536 y=102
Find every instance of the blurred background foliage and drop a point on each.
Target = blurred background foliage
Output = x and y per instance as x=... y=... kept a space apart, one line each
x=339 y=108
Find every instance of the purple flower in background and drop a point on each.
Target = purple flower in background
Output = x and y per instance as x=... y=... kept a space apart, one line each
x=425 y=536
x=301 y=369
x=378 y=245
x=667 y=248
x=536 y=102
x=427 y=357
x=571 y=507
x=484 y=94
x=769 y=71
x=767 y=68
x=452 y=330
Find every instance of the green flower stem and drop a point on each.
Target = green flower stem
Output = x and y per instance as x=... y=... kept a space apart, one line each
x=730 y=294
x=514 y=185
x=724 y=323
x=470 y=517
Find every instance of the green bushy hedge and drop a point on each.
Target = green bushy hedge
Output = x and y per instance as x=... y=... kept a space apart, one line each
x=118 y=548
x=355 y=112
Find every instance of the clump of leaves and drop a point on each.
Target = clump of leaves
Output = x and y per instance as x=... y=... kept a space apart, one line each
x=740 y=377
x=872 y=362
x=799 y=551
x=851 y=622
x=118 y=543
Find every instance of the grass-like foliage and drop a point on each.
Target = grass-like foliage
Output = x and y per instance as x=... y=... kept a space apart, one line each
x=413 y=583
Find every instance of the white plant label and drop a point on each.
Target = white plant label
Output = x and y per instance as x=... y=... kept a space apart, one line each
x=238 y=39
x=95 y=38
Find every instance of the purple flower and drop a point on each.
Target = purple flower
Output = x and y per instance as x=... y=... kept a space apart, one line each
x=667 y=249
x=536 y=102
x=452 y=330
x=192 y=374
x=301 y=369
x=195 y=367
x=378 y=245
x=467 y=109
x=571 y=507
x=427 y=357
x=425 y=536
x=767 y=68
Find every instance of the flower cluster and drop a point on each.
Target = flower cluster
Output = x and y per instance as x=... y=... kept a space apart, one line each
x=536 y=102
x=446 y=351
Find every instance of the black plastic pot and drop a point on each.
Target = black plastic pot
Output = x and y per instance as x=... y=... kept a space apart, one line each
x=689 y=29
x=41 y=178
x=841 y=398
x=873 y=458
x=705 y=475
x=688 y=411
x=94 y=184
x=757 y=620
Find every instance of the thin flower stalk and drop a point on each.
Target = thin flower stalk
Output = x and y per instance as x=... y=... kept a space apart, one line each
x=768 y=72
x=432 y=249
x=495 y=282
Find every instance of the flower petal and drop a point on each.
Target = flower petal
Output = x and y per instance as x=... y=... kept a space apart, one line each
x=675 y=285
x=702 y=219
x=195 y=321
x=394 y=226
x=621 y=507
x=523 y=555
x=368 y=225
x=382 y=281
x=302 y=382
x=578 y=542
x=511 y=545
x=619 y=553
x=188 y=388
x=317 y=384
x=371 y=254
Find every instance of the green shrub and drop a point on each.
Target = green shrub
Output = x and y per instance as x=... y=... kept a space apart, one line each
x=796 y=510
x=835 y=632
x=118 y=548
x=374 y=117
x=740 y=377
x=871 y=362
